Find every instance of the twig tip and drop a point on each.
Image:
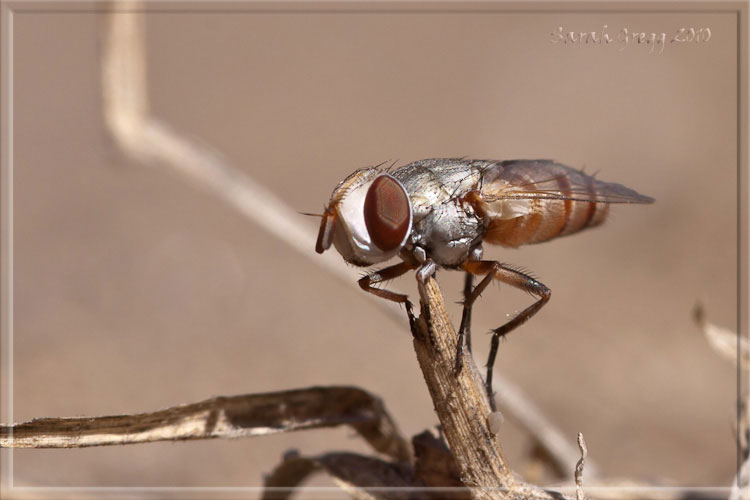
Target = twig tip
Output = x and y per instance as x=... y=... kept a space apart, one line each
x=579 y=467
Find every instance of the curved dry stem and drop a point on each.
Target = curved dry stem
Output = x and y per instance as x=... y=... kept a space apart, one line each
x=222 y=417
x=364 y=478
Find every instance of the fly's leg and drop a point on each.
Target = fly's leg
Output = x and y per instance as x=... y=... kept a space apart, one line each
x=386 y=274
x=464 y=331
x=466 y=317
x=519 y=280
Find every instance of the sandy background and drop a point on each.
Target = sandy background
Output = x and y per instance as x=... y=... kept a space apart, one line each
x=136 y=290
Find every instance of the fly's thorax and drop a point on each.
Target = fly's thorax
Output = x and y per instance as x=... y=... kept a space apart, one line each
x=436 y=181
x=373 y=217
x=444 y=226
x=449 y=232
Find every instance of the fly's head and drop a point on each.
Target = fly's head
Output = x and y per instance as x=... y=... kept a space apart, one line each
x=368 y=218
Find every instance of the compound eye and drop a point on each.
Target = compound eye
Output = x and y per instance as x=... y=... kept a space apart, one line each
x=387 y=213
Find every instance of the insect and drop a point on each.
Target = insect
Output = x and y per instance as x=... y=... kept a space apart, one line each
x=438 y=212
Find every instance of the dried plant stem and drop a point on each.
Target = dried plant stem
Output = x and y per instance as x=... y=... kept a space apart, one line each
x=579 y=467
x=725 y=342
x=461 y=404
x=222 y=417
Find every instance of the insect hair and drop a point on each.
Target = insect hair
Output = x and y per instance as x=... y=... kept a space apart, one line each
x=377 y=167
x=392 y=167
x=343 y=188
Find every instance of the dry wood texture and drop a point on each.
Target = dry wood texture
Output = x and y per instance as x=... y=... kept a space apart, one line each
x=462 y=407
x=222 y=417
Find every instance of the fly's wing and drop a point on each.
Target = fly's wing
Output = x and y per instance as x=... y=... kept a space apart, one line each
x=548 y=180
x=530 y=201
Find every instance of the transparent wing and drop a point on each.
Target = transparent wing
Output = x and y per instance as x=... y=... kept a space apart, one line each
x=548 y=180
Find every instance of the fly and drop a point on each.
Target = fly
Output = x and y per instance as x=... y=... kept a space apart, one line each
x=438 y=212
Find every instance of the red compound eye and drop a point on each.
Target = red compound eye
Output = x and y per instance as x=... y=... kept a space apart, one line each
x=387 y=213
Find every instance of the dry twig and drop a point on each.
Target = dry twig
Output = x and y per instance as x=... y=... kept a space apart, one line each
x=222 y=417
x=735 y=348
x=364 y=478
x=723 y=341
x=579 y=467
x=461 y=404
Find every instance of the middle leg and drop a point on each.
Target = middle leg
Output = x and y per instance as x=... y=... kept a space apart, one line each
x=470 y=296
x=464 y=331
x=468 y=287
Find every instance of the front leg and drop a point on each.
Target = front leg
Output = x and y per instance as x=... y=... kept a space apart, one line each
x=386 y=274
x=515 y=278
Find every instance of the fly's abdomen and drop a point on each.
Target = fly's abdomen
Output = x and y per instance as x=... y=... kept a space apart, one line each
x=548 y=219
x=531 y=201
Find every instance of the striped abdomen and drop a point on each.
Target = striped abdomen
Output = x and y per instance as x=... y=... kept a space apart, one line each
x=531 y=201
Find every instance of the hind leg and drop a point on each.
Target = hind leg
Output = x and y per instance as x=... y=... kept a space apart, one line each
x=501 y=272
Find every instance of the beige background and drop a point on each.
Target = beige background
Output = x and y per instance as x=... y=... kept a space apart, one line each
x=135 y=290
